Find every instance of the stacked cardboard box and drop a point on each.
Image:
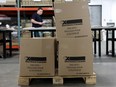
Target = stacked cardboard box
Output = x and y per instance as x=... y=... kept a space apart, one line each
x=75 y=55
x=7 y=2
x=37 y=57
x=36 y=3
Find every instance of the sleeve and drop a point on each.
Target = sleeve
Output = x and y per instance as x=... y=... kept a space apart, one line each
x=33 y=16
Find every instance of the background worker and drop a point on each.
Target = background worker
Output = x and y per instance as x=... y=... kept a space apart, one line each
x=37 y=21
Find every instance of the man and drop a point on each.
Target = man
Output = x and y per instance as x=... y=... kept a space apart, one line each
x=37 y=21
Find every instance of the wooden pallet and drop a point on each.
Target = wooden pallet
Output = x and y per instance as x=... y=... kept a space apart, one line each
x=58 y=79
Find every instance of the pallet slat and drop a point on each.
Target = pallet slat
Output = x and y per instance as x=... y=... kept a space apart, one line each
x=58 y=79
x=23 y=81
x=91 y=79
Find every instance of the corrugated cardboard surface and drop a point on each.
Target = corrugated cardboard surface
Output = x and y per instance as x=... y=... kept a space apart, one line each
x=75 y=56
x=36 y=3
x=8 y=2
x=37 y=57
x=72 y=19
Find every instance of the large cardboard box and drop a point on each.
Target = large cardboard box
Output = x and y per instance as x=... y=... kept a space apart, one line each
x=72 y=19
x=75 y=56
x=37 y=57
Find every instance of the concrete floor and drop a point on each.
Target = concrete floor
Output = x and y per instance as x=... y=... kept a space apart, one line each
x=105 y=68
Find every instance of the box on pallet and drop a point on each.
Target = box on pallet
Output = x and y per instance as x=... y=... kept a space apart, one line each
x=37 y=57
x=36 y=3
x=75 y=56
x=72 y=19
x=7 y=2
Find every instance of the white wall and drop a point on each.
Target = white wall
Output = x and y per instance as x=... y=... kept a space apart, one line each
x=108 y=10
x=113 y=11
x=95 y=2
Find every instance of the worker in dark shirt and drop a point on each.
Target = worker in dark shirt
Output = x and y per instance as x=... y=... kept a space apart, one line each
x=37 y=21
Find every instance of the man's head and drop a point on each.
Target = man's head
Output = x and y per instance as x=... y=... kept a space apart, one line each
x=40 y=11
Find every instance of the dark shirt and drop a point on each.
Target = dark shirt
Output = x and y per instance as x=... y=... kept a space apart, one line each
x=38 y=18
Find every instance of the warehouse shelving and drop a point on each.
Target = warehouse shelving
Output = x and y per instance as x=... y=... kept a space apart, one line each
x=12 y=11
x=24 y=9
x=23 y=12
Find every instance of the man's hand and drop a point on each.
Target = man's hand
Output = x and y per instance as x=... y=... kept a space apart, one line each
x=36 y=22
x=40 y=23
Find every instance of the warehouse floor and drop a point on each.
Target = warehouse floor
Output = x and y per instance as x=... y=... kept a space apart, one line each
x=105 y=68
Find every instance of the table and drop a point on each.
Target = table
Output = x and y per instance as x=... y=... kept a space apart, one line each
x=53 y=29
x=97 y=39
x=5 y=31
x=42 y=29
x=112 y=39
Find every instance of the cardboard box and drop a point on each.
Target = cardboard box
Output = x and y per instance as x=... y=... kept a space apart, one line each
x=75 y=56
x=72 y=19
x=37 y=57
x=26 y=34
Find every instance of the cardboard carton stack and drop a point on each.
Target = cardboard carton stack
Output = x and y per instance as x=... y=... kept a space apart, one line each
x=36 y=3
x=73 y=34
x=7 y=2
x=73 y=29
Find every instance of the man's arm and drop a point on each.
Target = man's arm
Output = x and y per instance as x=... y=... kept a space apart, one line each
x=36 y=22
